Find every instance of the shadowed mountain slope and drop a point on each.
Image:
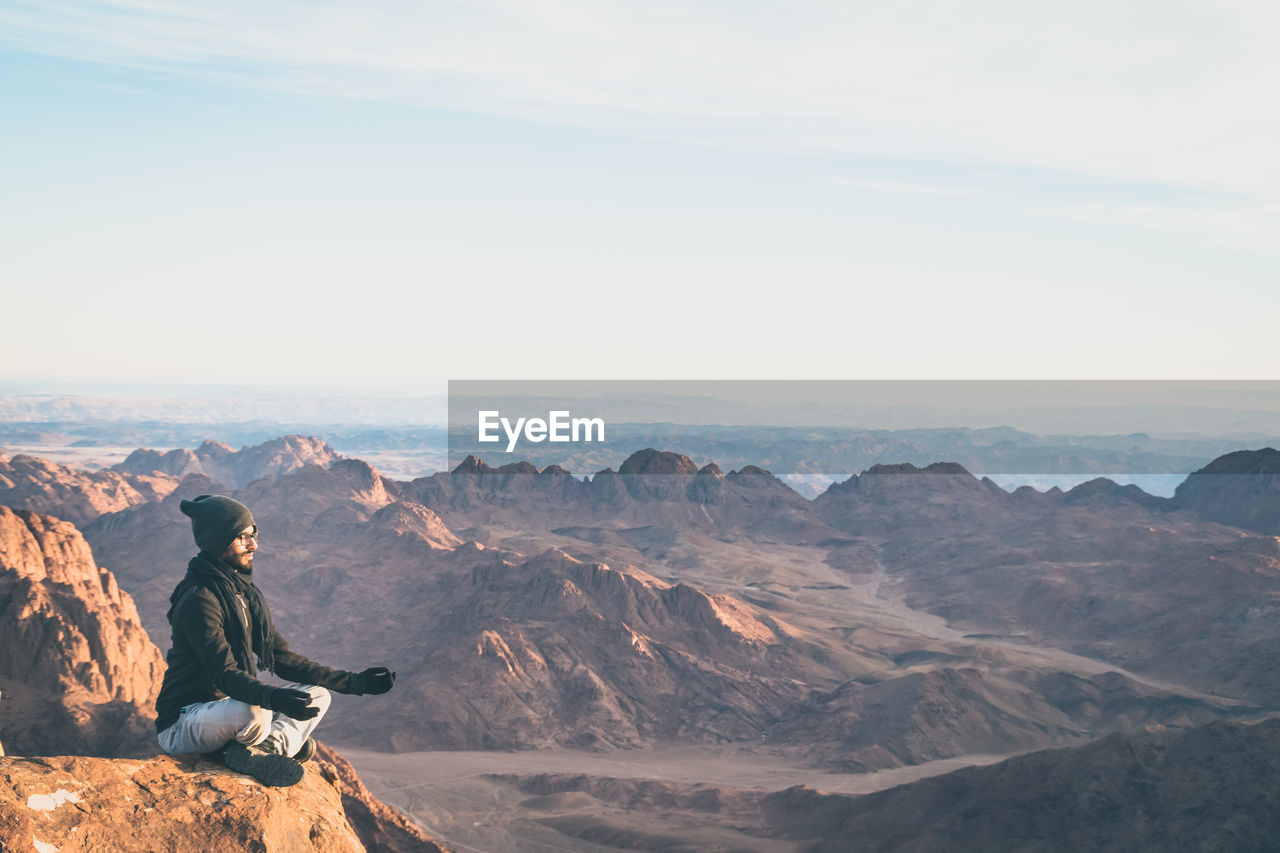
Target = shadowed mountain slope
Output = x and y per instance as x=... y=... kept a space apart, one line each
x=1241 y=489
x=1203 y=789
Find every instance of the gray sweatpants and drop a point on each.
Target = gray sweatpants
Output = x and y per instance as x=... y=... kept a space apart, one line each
x=209 y=726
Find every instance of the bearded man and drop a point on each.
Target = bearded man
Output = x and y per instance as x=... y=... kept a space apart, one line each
x=211 y=699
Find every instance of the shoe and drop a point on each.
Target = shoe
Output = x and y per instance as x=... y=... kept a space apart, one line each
x=269 y=768
x=307 y=752
x=275 y=744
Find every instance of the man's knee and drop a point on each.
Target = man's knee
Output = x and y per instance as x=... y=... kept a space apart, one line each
x=320 y=697
x=255 y=723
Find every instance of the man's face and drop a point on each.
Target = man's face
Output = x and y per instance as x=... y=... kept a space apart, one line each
x=239 y=553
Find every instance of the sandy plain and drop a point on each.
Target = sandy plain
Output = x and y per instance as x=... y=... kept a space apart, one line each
x=456 y=796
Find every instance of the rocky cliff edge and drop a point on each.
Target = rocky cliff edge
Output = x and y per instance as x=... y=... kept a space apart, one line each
x=186 y=803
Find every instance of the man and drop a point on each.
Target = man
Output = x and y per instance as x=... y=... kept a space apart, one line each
x=211 y=698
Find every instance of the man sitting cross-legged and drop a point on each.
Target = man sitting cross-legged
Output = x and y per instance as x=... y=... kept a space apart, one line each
x=211 y=698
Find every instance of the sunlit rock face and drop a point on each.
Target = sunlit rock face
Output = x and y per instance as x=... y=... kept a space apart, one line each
x=77 y=671
x=187 y=804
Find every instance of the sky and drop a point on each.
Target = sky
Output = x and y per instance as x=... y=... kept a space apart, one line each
x=381 y=196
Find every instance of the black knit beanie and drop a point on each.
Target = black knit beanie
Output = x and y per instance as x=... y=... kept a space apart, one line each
x=215 y=521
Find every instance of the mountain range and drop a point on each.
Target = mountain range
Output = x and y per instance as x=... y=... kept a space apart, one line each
x=905 y=615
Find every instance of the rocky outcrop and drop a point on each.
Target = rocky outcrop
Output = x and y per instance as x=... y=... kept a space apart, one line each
x=189 y=804
x=78 y=672
x=1241 y=489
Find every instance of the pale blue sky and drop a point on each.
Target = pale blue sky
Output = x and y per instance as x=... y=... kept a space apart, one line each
x=384 y=195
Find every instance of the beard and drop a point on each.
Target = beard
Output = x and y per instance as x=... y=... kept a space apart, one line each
x=239 y=562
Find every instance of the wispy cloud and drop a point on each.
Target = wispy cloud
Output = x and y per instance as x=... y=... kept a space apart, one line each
x=1249 y=227
x=907 y=187
x=1174 y=91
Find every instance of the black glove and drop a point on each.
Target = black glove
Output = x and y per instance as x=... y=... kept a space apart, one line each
x=374 y=680
x=293 y=703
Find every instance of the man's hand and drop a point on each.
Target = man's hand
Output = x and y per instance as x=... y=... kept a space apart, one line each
x=293 y=703
x=376 y=679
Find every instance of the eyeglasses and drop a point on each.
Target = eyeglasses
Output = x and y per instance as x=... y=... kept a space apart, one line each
x=246 y=538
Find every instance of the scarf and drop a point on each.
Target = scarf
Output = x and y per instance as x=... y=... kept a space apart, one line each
x=226 y=582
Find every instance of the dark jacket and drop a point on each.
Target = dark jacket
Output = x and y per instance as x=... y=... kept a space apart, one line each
x=202 y=667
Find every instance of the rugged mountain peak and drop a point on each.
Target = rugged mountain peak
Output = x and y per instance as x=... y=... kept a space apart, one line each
x=906 y=478
x=471 y=465
x=886 y=499
x=269 y=459
x=555 y=560
x=193 y=485
x=29 y=482
x=362 y=476
x=756 y=478
x=711 y=469
x=235 y=468
x=952 y=468
x=1102 y=490
x=210 y=449
x=78 y=672
x=416 y=520
x=523 y=467
x=189 y=804
x=645 y=603
x=175 y=463
x=1264 y=461
x=562 y=650
x=348 y=491
x=1241 y=489
x=651 y=461
x=297 y=445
